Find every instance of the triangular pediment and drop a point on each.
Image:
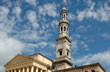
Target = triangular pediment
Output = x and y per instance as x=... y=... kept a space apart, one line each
x=17 y=59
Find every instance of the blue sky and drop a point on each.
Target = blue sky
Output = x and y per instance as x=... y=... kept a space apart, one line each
x=31 y=26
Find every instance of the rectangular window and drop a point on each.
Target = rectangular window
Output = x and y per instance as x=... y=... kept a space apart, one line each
x=67 y=53
x=93 y=71
x=60 y=52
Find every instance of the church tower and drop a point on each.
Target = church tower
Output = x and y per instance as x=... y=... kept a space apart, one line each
x=63 y=44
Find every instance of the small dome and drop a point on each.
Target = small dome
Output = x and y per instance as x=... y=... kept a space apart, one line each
x=63 y=8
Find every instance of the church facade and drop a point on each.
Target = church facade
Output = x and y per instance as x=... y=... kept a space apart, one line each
x=33 y=63
x=62 y=62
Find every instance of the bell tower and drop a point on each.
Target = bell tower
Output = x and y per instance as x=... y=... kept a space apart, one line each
x=63 y=44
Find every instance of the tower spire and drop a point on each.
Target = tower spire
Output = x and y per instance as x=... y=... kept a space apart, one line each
x=64 y=4
x=64 y=14
x=63 y=45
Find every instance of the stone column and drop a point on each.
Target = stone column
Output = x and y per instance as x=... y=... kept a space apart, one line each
x=32 y=68
x=36 y=69
x=15 y=70
x=19 y=70
x=41 y=70
x=23 y=70
x=27 y=69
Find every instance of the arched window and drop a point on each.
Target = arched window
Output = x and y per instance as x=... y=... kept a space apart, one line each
x=64 y=28
x=61 y=16
x=64 y=15
x=93 y=71
x=61 y=28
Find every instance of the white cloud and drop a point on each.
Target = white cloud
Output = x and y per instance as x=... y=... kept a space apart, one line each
x=3 y=12
x=29 y=47
x=32 y=2
x=54 y=24
x=48 y=9
x=90 y=4
x=84 y=45
x=102 y=13
x=71 y=16
x=106 y=35
x=44 y=44
x=76 y=36
x=102 y=57
x=32 y=17
x=9 y=47
x=81 y=15
x=88 y=12
x=74 y=45
x=6 y=23
x=64 y=1
x=52 y=45
x=81 y=28
x=28 y=35
x=17 y=12
x=8 y=2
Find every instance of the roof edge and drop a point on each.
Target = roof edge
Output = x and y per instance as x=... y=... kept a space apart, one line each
x=41 y=55
x=83 y=66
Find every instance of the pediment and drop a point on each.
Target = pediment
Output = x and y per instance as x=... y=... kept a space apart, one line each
x=17 y=59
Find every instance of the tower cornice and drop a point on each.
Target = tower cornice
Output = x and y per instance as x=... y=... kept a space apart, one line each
x=64 y=38
x=63 y=22
x=63 y=61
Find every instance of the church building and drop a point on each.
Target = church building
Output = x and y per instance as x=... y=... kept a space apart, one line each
x=62 y=62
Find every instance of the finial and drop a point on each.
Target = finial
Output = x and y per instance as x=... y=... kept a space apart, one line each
x=64 y=3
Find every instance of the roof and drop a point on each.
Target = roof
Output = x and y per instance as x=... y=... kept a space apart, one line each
x=27 y=57
x=41 y=55
x=18 y=55
x=81 y=67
